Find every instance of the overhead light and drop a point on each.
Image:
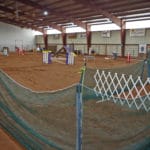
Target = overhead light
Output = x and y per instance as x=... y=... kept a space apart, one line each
x=45 y=13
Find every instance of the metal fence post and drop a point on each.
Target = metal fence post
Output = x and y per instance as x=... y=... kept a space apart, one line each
x=79 y=114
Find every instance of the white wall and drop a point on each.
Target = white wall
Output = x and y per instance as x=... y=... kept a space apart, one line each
x=79 y=42
x=132 y=42
x=11 y=36
x=105 y=46
x=113 y=39
x=55 y=39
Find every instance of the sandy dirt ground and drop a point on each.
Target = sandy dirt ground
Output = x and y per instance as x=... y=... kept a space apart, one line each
x=29 y=71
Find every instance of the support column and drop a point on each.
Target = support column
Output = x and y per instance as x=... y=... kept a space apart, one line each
x=45 y=36
x=88 y=37
x=123 y=38
x=64 y=38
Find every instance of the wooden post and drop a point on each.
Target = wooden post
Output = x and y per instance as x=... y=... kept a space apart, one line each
x=45 y=36
x=88 y=37
x=123 y=38
x=64 y=38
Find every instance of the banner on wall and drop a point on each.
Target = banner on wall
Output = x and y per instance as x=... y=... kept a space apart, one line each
x=105 y=33
x=72 y=36
x=137 y=32
x=142 y=48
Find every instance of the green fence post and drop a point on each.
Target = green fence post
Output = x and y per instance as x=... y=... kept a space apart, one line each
x=79 y=114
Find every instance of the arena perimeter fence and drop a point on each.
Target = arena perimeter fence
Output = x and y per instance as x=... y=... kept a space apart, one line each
x=73 y=118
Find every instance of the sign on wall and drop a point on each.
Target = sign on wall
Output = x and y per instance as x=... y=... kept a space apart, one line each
x=137 y=32
x=72 y=36
x=105 y=33
x=142 y=48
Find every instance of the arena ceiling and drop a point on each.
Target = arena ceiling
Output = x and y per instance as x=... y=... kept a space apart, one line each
x=70 y=13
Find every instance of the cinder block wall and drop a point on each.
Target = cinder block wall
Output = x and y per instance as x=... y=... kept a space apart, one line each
x=11 y=36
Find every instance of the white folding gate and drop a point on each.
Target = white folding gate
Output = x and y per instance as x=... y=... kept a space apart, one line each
x=123 y=89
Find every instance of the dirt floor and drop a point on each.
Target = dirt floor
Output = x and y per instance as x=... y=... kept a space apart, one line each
x=29 y=71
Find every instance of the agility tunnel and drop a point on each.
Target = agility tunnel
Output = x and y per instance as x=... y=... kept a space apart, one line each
x=94 y=114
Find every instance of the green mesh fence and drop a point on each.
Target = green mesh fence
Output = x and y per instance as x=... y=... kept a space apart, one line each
x=138 y=69
x=38 y=120
x=43 y=121
x=108 y=125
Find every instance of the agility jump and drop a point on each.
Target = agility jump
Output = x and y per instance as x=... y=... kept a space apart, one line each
x=68 y=59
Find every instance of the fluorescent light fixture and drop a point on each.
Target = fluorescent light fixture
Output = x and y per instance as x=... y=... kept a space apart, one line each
x=53 y=31
x=138 y=24
x=105 y=27
x=75 y=30
x=37 y=33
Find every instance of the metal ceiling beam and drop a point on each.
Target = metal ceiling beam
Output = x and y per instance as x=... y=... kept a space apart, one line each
x=136 y=6
x=12 y=11
x=138 y=11
x=136 y=17
x=60 y=14
x=7 y=10
x=31 y=3
x=22 y=25
x=93 y=7
x=118 y=4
